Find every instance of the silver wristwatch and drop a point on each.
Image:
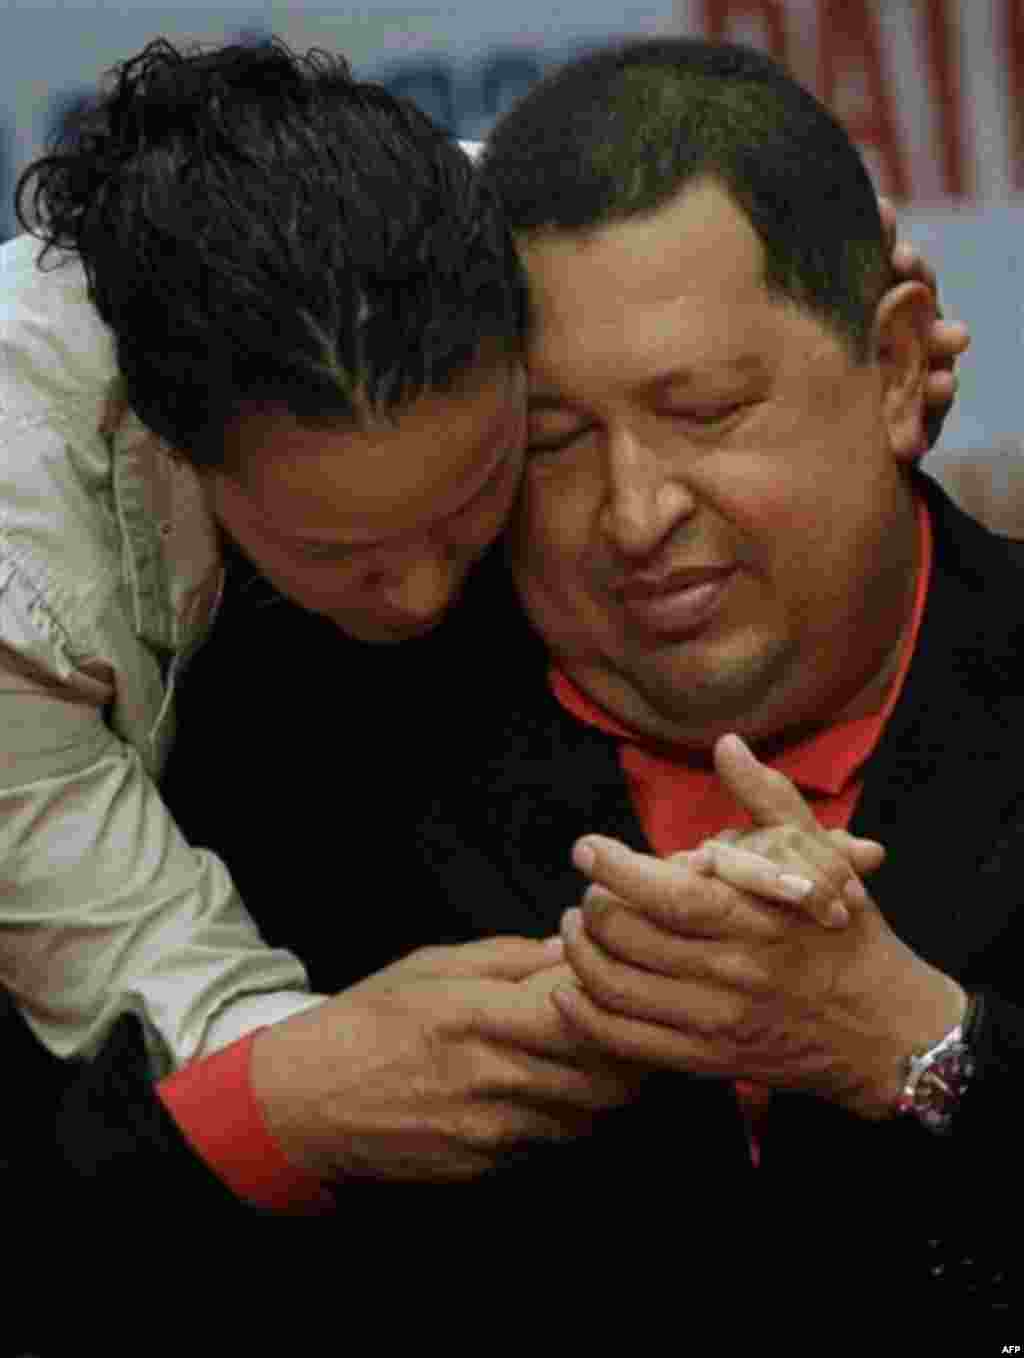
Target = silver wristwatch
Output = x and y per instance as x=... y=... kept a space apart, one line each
x=937 y=1079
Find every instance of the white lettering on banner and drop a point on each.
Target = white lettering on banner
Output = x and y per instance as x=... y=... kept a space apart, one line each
x=1013 y=36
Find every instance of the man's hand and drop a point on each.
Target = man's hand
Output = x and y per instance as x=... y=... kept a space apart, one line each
x=827 y=865
x=678 y=969
x=949 y=339
x=435 y=1069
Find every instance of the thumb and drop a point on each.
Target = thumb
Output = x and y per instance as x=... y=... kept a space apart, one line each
x=767 y=795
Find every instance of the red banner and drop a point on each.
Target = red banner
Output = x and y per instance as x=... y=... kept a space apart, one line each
x=932 y=90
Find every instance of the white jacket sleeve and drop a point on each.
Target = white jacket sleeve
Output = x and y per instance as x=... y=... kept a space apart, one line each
x=103 y=905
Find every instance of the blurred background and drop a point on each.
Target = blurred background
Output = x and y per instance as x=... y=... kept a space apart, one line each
x=932 y=90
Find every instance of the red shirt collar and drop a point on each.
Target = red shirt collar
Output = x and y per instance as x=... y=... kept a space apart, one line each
x=827 y=759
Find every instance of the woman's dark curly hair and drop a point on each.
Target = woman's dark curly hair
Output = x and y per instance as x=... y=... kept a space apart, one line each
x=259 y=229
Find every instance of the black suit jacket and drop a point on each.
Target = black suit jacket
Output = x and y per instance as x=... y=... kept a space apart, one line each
x=440 y=805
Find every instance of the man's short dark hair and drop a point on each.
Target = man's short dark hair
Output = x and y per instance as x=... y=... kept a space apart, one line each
x=260 y=230
x=621 y=132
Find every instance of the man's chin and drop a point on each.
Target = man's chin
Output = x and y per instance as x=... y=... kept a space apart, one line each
x=713 y=695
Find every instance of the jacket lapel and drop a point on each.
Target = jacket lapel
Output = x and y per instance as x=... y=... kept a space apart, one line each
x=941 y=790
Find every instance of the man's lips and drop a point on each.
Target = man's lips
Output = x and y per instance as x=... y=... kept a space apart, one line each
x=651 y=587
x=678 y=604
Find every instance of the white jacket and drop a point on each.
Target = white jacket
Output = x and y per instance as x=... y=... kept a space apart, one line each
x=110 y=575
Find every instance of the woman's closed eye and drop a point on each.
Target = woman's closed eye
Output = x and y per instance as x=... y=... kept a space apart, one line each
x=552 y=443
x=324 y=551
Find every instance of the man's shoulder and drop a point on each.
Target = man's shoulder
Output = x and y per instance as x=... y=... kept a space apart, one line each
x=975 y=613
x=964 y=544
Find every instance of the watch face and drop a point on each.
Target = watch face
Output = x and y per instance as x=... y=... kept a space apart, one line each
x=940 y=1087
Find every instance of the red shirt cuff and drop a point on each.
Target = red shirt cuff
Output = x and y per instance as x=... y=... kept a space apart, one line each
x=212 y=1102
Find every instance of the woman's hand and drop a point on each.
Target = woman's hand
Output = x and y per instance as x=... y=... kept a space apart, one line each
x=949 y=339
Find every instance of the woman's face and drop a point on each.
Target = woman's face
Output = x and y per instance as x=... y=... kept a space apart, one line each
x=377 y=528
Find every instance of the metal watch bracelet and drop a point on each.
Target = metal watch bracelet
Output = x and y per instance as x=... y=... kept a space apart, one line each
x=937 y=1079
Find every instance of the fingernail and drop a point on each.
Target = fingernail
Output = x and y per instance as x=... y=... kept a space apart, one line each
x=572 y=923
x=740 y=745
x=838 y=915
x=855 y=893
x=794 y=888
x=583 y=856
x=555 y=946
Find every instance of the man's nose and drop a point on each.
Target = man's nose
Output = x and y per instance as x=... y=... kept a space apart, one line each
x=643 y=501
x=422 y=586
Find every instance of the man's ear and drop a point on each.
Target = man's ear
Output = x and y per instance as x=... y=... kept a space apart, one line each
x=903 y=325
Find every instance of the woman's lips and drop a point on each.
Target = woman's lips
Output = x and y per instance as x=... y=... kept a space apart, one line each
x=678 y=607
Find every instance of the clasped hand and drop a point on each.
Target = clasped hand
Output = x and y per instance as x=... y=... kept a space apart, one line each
x=722 y=961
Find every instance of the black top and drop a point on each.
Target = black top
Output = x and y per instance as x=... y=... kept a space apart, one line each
x=452 y=785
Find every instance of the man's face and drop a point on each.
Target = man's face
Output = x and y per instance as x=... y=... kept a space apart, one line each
x=377 y=529
x=714 y=532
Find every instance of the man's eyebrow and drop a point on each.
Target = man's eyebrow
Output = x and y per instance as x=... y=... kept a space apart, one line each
x=744 y=365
